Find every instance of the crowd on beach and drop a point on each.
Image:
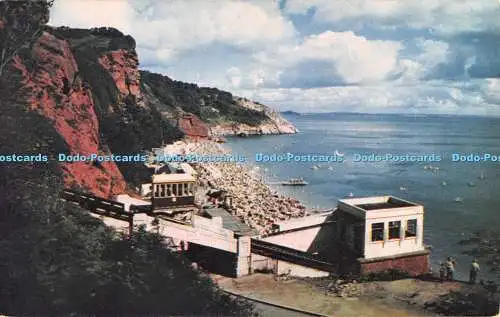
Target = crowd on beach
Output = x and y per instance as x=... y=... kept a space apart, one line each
x=254 y=202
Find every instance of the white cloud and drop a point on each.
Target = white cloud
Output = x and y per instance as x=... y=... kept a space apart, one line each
x=432 y=53
x=355 y=58
x=352 y=58
x=491 y=90
x=254 y=78
x=170 y=27
x=93 y=13
x=443 y=16
x=438 y=97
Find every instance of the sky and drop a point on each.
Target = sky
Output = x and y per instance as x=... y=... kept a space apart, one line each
x=374 y=56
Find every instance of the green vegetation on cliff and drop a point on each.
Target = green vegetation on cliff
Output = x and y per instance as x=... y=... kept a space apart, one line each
x=209 y=104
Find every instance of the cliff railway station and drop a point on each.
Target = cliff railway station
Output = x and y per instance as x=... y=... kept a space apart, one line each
x=361 y=235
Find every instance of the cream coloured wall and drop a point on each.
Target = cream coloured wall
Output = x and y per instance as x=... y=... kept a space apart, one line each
x=393 y=247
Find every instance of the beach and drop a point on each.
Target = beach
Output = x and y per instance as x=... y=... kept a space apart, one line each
x=254 y=202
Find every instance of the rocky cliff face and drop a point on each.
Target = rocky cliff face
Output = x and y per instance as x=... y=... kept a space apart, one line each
x=81 y=92
x=274 y=123
x=53 y=87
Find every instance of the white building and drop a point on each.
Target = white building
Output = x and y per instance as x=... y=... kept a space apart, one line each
x=383 y=233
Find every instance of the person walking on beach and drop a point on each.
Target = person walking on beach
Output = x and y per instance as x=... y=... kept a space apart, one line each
x=442 y=271
x=450 y=268
x=474 y=269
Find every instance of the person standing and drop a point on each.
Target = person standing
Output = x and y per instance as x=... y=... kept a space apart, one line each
x=474 y=269
x=442 y=271
x=450 y=268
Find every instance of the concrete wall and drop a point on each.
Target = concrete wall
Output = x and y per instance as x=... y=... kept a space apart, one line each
x=318 y=235
x=127 y=201
x=299 y=240
x=260 y=262
x=299 y=271
x=208 y=233
x=118 y=225
x=243 y=260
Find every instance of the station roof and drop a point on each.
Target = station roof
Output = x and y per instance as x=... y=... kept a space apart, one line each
x=230 y=222
x=172 y=178
x=370 y=206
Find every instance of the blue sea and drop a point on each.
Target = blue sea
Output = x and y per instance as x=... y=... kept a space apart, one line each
x=459 y=197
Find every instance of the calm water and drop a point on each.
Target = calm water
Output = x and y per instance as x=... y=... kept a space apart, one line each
x=446 y=221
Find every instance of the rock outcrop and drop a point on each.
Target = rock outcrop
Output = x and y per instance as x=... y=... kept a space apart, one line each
x=273 y=124
x=192 y=126
x=222 y=112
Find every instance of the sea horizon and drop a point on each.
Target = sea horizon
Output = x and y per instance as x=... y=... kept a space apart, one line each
x=404 y=114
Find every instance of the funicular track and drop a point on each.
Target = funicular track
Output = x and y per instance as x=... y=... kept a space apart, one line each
x=283 y=253
x=100 y=206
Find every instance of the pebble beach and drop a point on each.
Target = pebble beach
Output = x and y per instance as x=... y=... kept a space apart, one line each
x=253 y=202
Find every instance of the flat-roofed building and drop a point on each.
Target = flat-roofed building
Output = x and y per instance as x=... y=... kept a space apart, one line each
x=383 y=233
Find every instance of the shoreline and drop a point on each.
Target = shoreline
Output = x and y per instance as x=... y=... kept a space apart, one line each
x=253 y=202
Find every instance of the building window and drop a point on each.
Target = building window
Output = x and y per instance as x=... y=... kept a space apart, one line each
x=169 y=190
x=186 y=189
x=394 y=229
x=378 y=231
x=411 y=228
x=162 y=190
x=174 y=190
x=157 y=190
x=190 y=189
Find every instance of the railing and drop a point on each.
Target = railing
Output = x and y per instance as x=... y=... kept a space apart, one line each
x=279 y=252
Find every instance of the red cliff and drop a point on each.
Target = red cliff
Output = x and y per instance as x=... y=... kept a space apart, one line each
x=192 y=126
x=55 y=89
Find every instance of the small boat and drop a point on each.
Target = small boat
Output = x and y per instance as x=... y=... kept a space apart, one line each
x=220 y=140
x=294 y=182
x=403 y=189
x=350 y=195
x=482 y=176
x=459 y=199
x=314 y=167
x=330 y=168
x=471 y=184
x=443 y=183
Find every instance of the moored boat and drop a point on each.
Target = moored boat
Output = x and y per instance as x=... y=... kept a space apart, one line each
x=294 y=182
